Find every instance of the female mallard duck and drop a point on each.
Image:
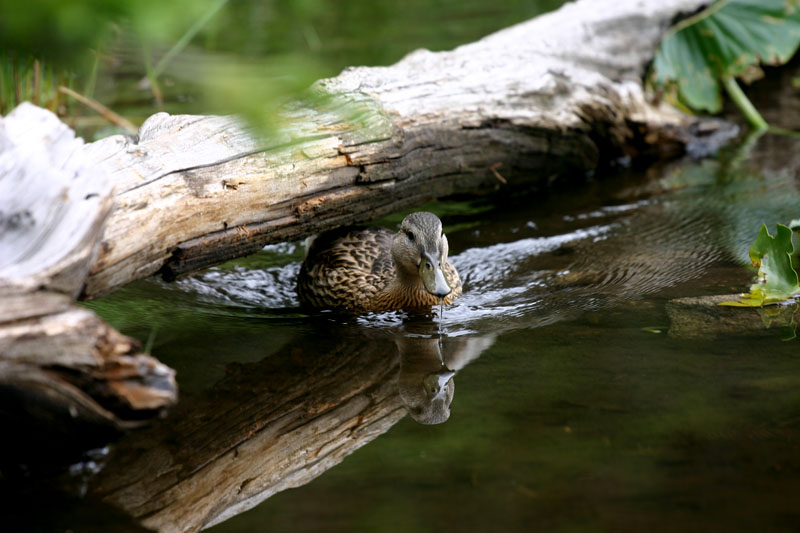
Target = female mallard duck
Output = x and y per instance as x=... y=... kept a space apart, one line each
x=373 y=269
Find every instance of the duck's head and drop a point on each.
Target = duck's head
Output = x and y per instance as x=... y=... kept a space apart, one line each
x=420 y=252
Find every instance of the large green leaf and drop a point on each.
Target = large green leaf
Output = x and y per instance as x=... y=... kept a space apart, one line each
x=777 y=280
x=730 y=38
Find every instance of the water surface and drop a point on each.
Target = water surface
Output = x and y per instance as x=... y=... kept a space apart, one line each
x=572 y=406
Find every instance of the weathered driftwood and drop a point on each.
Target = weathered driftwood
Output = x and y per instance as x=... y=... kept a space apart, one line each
x=547 y=99
x=53 y=204
x=276 y=424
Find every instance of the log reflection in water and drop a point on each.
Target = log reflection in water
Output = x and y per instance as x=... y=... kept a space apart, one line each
x=264 y=428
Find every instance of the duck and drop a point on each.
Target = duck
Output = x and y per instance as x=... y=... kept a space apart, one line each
x=373 y=269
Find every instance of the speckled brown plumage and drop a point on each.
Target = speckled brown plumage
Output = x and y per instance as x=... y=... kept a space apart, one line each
x=354 y=268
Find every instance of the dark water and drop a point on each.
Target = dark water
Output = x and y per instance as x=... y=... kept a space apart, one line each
x=572 y=406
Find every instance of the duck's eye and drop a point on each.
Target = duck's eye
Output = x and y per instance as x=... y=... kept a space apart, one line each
x=428 y=265
x=410 y=236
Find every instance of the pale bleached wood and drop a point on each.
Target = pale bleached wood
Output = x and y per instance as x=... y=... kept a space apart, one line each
x=547 y=99
x=54 y=202
x=544 y=100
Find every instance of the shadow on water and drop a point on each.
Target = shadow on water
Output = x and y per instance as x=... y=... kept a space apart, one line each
x=564 y=389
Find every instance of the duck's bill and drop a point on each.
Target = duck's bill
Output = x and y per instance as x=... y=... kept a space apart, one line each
x=433 y=277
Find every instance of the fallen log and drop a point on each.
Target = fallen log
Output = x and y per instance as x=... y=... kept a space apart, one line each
x=60 y=362
x=545 y=100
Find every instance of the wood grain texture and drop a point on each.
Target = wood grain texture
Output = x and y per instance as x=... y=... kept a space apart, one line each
x=546 y=100
x=53 y=204
x=56 y=357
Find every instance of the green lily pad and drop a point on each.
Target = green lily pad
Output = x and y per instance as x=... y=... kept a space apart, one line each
x=777 y=281
x=730 y=38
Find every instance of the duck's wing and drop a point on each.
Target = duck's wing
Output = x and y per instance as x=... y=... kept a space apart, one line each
x=454 y=280
x=346 y=268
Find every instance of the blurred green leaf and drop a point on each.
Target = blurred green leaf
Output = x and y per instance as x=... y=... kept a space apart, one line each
x=245 y=57
x=66 y=31
x=680 y=60
x=729 y=39
x=777 y=281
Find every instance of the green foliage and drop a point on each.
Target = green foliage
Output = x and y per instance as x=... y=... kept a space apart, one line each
x=777 y=280
x=65 y=31
x=243 y=57
x=110 y=46
x=28 y=79
x=729 y=39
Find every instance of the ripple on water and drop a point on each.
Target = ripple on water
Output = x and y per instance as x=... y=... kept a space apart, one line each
x=642 y=248
x=529 y=282
x=498 y=264
x=268 y=288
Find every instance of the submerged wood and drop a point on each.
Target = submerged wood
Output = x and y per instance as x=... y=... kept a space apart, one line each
x=56 y=358
x=703 y=317
x=546 y=100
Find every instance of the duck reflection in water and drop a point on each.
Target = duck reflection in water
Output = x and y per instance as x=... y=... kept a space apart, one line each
x=428 y=365
x=425 y=383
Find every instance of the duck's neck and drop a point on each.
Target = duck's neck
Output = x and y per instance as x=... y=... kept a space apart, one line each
x=406 y=296
x=406 y=293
